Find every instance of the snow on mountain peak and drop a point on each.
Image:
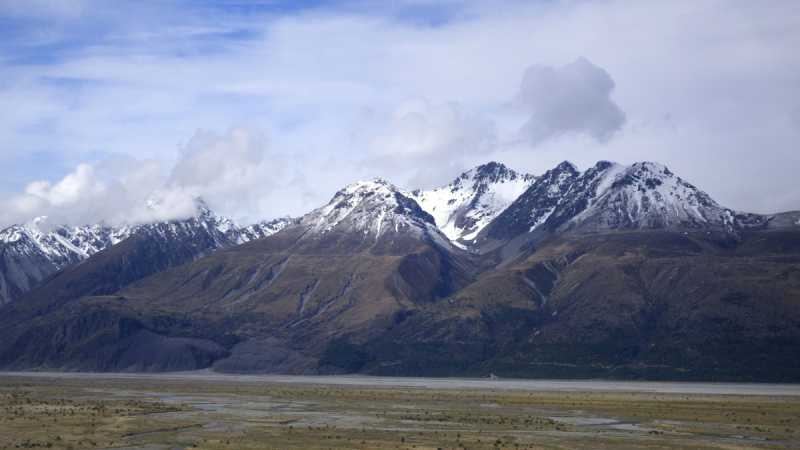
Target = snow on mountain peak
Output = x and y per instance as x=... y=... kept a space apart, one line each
x=369 y=216
x=202 y=206
x=367 y=205
x=489 y=197
x=376 y=185
x=464 y=207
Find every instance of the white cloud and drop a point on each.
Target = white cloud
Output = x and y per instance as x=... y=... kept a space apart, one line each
x=79 y=185
x=423 y=141
x=210 y=159
x=231 y=170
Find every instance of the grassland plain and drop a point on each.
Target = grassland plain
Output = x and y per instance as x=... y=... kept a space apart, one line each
x=147 y=413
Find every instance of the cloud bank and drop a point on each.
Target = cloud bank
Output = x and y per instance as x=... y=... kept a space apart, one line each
x=228 y=170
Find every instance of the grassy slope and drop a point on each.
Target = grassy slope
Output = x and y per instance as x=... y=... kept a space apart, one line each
x=649 y=304
x=640 y=304
x=323 y=289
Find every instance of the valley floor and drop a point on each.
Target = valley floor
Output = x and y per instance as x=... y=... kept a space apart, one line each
x=212 y=411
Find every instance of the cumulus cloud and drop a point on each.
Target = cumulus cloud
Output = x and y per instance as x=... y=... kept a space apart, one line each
x=574 y=99
x=422 y=141
x=78 y=185
x=226 y=170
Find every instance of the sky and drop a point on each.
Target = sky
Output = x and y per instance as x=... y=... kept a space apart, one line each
x=266 y=108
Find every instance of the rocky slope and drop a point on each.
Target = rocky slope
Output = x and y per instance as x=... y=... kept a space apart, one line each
x=530 y=210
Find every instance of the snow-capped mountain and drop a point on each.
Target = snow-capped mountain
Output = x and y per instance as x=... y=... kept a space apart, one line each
x=608 y=195
x=370 y=216
x=64 y=244
x=464 y=207
x=32 y=251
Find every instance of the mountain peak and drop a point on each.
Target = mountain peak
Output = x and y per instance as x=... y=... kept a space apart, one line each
x=534 y=206
x=491 y=172
x=201 y=203
x=367 y=198
x=364 y=187
x=654 y=167
x=647 y=176
x=566 y=165
x=203 y=211
x=153 y=203
x=608 y=195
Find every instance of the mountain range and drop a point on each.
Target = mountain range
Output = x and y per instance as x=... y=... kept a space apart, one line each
x=616 y=272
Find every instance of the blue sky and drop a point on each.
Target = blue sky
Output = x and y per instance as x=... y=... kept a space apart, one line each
x=266 y=108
